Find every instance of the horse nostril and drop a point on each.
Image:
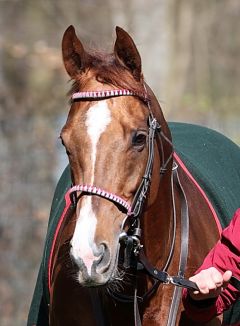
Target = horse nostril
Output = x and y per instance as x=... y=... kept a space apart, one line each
x=104 y=261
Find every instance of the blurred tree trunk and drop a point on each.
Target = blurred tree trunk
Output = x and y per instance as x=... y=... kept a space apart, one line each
x=204 y=69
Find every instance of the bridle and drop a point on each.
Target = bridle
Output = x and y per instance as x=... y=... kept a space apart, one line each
x=134 y=210
x=131 y=239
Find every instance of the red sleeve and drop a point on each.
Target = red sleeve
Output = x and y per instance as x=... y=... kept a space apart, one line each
x=224 y=256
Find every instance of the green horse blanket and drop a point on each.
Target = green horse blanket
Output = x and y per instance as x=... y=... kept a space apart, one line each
x=214 y=162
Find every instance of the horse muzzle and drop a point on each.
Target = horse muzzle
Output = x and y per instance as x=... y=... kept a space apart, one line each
x=93 y=268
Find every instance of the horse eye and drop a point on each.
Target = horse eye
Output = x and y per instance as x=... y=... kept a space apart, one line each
x=139 y=139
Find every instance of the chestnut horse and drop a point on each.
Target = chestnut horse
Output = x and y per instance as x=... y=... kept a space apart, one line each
x=136 y=217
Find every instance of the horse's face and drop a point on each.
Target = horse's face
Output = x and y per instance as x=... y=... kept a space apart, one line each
x=106 y=143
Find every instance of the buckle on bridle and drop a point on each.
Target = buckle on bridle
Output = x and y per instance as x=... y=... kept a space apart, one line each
x=132 y=245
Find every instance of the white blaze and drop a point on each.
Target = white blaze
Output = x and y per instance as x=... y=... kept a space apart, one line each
x=98 y=118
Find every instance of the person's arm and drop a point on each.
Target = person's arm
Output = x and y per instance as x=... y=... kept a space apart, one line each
x=212 y=278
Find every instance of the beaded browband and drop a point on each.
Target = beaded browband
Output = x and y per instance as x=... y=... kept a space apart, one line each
x=107 y=93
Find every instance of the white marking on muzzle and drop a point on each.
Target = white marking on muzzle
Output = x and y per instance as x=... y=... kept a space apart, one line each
x=98 y=118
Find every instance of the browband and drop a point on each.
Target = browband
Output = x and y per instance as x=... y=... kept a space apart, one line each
x=107 y=93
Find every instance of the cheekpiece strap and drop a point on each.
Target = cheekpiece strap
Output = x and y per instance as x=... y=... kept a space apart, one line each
x=92 y=95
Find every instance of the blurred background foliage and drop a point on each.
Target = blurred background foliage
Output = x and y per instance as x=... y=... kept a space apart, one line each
x=190 y=52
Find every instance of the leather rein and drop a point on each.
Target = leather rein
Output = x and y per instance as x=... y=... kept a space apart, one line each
x=131 y=240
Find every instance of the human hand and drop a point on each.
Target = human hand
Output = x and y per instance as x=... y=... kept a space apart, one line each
x=210 y=283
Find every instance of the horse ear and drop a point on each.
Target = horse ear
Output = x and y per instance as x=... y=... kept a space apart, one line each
x=74 y=55
x=126 y=51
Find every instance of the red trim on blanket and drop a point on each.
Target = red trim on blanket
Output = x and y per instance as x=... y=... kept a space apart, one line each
x=185 y=169
x=67 y=205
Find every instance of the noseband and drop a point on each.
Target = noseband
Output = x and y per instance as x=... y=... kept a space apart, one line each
x=131 y=238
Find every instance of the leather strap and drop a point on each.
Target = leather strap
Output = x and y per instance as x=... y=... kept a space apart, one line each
x=183 y=253
x=137 y=318
x=140 y=195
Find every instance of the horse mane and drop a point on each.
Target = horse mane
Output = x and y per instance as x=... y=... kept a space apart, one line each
x=107 y=70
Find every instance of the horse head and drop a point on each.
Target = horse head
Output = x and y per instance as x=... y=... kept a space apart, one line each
x=106 y=137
